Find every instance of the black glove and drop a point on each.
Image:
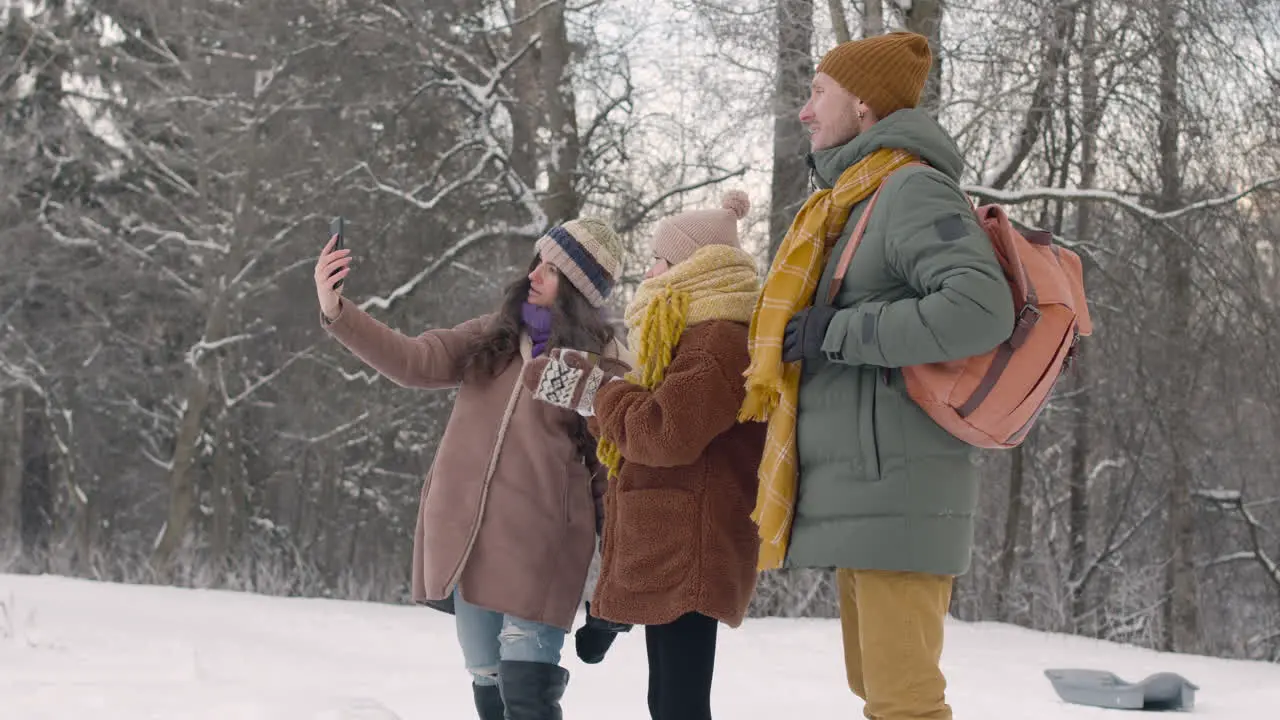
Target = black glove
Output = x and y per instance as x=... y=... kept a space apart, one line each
x=593 y=639
x=805 y=332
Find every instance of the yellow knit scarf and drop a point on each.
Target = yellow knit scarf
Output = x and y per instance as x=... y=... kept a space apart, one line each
x=718 y=282
x=773 y=389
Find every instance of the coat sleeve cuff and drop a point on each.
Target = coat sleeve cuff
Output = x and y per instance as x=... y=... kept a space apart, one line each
x=325 y=322
x=853 y=336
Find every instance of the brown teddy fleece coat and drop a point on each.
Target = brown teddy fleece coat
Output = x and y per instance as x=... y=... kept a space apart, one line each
x=678 y=533
x=507 y=507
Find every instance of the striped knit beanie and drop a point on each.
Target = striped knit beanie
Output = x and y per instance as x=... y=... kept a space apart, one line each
x=887 y=72
x=588 y=252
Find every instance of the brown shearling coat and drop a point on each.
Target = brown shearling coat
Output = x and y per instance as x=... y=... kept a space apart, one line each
x=678 y=533
x=509 y=507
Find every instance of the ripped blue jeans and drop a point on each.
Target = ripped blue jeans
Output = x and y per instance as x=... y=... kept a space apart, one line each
x=488 y=637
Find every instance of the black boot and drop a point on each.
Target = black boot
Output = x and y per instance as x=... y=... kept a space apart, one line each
x=489 y=702
x=532 y=691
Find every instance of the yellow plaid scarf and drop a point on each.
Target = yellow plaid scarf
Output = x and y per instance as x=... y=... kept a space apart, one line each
x=718 y=282
x=773 y=389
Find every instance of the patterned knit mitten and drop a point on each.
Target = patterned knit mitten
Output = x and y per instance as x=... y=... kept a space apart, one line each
x=567 y=379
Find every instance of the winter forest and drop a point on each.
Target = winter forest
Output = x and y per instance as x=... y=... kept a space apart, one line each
x=172 y=412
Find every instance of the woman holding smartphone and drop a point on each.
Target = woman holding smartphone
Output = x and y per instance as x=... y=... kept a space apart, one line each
x=511 y=507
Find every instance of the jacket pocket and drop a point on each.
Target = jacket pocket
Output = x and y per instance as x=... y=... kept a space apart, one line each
x=873 y=422
x=654 y=539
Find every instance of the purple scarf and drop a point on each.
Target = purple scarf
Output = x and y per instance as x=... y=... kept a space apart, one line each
x=537 y=322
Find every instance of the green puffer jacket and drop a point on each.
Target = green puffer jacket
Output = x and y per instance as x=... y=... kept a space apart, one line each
x=881 y=485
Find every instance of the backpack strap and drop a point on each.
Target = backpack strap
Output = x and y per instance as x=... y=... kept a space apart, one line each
x=842 y=267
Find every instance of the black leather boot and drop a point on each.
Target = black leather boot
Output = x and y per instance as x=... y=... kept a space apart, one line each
x=489 y=702
x=532 y=691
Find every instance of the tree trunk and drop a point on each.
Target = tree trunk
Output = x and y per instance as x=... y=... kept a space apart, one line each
x=839 y=21
x=223 y=508
x=12 y=448
x=1012 y=523
x=182 y=486
x=873 y=18
x=925 y=17
x=1181 y=612
x=37 y=506
x=1078 y=500
x=789 y=186
x=562 y=201
x=239 y=480
x=524 y=90
x=222 y=296
x=72 y=501
x=299 y=498
x=182 y=490
x=330 y=513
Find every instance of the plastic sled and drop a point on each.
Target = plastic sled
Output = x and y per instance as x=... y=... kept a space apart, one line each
x=1098 y=688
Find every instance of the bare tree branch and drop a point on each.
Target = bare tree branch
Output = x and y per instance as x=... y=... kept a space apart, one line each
x=1015 y=197
x=639 y=216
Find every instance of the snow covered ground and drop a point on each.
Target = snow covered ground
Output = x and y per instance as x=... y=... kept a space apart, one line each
x=79 y=650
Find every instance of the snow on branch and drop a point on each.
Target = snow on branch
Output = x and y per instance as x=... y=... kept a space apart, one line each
x=1219 y=495
x=230 y=401
x=530 y=229
x=261 y=249
x=638 y=217
x=1232 y=557
x=162 y=236
x=202 y=346
x=1232 y=501
x=1014 y=197
x=487 y=92
x=1115 y=543
x=411 y=196
x=88 y=242
x=530 y=15
x=332 y=432
x=18 y=377
x=485 y=103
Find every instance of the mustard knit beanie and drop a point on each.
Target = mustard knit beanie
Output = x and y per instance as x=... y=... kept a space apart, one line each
x=887 y=72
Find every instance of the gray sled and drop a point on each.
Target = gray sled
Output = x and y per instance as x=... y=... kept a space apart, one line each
x=1098 y=688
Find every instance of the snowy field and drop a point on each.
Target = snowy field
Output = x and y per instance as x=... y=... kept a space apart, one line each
x=79 y=650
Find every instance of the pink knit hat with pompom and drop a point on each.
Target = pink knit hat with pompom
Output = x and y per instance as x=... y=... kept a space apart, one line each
x=678 y=237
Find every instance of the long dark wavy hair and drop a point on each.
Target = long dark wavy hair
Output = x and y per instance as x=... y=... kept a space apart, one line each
x=574 y=324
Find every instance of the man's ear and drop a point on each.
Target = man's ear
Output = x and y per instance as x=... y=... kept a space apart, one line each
x=865 y=114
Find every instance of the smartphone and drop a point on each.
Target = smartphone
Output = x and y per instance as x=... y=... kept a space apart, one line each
x=338 y=227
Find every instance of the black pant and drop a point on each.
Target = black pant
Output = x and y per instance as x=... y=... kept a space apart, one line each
x=682 y=658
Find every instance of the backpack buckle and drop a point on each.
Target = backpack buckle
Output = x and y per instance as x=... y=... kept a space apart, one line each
x=1028 y=316
x=1072 y=352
